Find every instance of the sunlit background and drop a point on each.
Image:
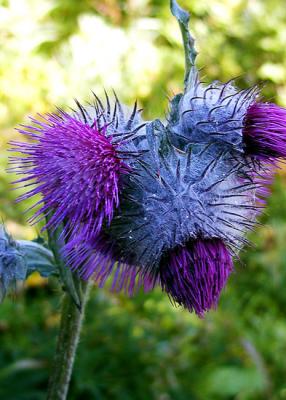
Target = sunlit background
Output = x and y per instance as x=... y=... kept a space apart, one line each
x=143 y=349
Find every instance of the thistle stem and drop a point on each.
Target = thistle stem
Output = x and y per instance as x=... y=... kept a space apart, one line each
x=73 y=307
x=183 y=18
x=68 y=338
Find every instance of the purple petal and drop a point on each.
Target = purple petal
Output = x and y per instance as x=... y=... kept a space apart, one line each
x=265 y=131
x=98 y=258
x=76 y=169
x=196 y=274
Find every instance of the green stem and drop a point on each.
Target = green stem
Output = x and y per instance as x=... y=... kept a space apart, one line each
x=69 y=280
x=183 y=18
x=73 y=307
x=68 y=338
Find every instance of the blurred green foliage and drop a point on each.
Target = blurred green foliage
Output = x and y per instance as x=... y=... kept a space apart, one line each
x=143 y=349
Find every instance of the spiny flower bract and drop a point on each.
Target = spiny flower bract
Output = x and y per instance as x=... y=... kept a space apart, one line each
x=208 y=114
x=76 y=166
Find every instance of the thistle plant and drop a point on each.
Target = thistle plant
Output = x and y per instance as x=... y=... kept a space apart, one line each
x=150 y=203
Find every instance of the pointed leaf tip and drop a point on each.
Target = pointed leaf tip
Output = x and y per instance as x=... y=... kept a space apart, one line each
x=183 y=18
x=179 y=13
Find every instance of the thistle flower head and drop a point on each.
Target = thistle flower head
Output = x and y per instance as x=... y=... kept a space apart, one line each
x=264 y=131
x=76 y=166
x=195 y=274
x=208 y=114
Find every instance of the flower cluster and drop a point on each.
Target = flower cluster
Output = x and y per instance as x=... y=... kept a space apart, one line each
x=149 y=203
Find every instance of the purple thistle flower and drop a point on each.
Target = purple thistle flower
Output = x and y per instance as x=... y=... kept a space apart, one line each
x=77 y=170
x=264 y=131
x=77 y=163
x=195 y=274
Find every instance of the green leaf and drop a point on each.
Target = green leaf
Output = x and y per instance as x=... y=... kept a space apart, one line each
x=38 y=258
x=72 y=284
x=183 y=18
x=230 y=381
